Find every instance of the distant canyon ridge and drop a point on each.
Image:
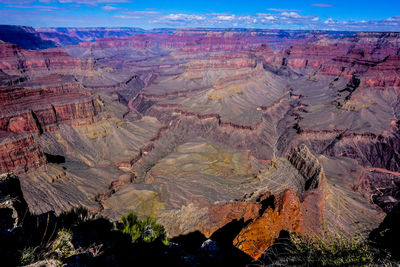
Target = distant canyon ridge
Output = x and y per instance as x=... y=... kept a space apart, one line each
x=294 y=130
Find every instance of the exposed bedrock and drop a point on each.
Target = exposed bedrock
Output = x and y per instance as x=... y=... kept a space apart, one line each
x=369 y=150
x=373 y=56
x=46 y=116
x=206 y=129
x=209 y=219
x=262 y=215
x=195 y=40
x=19 y=150
x=284 y=214
x=381 y=187
x=288 y=210
x=16 y=61
x=308 y=166
x=19 y=153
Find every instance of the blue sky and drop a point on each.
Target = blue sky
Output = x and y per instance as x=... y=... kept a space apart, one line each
x=366 y=15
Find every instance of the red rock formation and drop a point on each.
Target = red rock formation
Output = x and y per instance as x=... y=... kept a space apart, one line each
x=47 y=99
x=260 y=234
x=290 y=212
x=221 y=215
x=360 y=54
x=16 y=61
x=19 y=153
x=208 y=40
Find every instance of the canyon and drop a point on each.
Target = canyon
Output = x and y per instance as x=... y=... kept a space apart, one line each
x=203 y=128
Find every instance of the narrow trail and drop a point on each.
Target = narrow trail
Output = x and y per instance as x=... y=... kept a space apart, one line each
x=381 y=170
x=360 y=179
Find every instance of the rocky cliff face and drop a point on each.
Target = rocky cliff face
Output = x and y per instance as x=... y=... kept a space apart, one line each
x=262 y=215
x=36 y=97
x=209 y=130
x=25 y=37
x=20 y=153
x=308 y=166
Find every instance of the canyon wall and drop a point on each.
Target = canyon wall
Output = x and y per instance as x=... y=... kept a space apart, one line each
x=207 y=128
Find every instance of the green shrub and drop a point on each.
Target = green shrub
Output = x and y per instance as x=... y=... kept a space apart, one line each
x=131 y=225
x=147 y=230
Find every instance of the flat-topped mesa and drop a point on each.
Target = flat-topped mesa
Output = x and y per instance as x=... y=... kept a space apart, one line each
x=308 y=166
x=19 y=153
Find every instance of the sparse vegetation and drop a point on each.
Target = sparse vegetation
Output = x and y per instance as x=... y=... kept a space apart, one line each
x=332 y=250
x=147 y=230
x=59 y=248
x=76 y=236
x=336 y=250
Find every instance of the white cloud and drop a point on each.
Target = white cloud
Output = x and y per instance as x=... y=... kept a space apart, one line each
x=126 y=17
x=291 y=14
x=184 y=17
x=329 y=21
x=277 y=18
x=269 y=17
x=109 y=8
x=230 y=17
